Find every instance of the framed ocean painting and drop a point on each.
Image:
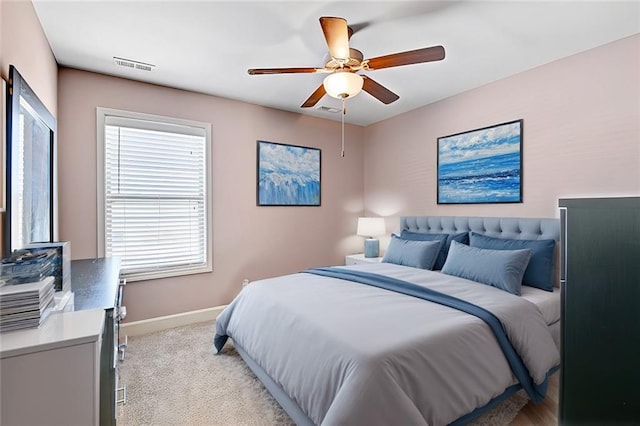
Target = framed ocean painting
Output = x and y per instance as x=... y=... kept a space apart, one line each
x=481 y=166
x=287 y=175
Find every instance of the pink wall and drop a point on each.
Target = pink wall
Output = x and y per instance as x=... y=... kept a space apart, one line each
x=248 y=241
x=23 y=44
x=581 y=137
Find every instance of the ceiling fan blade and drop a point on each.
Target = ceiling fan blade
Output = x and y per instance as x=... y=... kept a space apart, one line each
x=260 y=71
x=314 y=98
x=336 y=33
x=427 y=54
x=378 y=91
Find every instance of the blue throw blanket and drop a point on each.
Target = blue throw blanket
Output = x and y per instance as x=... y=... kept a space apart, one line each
x=536 y=392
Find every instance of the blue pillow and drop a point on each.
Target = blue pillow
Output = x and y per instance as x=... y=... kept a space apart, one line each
x=445 y=240
x=541 y=267
x=498 y=268
x=417 y=254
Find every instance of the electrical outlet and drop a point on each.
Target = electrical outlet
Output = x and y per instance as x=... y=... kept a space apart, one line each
x=245 y=283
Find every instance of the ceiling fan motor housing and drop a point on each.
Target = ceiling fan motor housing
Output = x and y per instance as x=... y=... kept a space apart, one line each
x=354 y=60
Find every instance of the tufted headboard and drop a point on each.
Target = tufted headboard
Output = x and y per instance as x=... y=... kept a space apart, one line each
x=499 y=227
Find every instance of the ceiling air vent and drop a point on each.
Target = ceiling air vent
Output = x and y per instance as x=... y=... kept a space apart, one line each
x=128 y=63
x=328 y=109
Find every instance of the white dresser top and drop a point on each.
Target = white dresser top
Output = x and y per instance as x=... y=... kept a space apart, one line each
x=58 y=330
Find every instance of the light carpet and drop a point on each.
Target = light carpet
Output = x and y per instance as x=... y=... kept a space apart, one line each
x=173 y=378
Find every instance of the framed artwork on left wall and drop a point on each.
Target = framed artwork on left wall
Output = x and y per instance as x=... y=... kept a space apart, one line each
x=287 y=175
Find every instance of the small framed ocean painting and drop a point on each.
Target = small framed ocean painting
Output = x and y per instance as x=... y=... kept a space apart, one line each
x=481 y=166
x=287 y=175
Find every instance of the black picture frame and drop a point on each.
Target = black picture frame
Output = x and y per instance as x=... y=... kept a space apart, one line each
x=30 y=172
x=481 y=166
x=288 y=175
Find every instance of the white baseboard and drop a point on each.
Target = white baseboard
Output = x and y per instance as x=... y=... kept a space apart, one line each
x=148 y=326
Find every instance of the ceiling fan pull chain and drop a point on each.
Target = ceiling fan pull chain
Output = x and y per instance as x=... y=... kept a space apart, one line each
x=344 y=112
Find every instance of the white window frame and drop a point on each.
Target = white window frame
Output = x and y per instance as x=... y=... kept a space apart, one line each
x=162 y=123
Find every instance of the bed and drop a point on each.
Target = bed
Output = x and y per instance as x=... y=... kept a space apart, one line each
x=379 y=344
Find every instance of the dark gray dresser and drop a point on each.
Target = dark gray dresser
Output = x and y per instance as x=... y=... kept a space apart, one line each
x=96 y=284
x=600 y=338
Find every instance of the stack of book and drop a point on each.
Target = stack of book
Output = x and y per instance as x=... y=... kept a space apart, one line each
x=24 y=266
x=25 y=305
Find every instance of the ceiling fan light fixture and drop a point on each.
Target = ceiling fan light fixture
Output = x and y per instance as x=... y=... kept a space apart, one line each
x=343 y=84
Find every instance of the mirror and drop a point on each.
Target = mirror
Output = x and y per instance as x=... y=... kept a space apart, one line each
x=3 y=143
x=31 y=149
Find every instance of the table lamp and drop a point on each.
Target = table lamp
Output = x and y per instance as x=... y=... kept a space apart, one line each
x=371 y=227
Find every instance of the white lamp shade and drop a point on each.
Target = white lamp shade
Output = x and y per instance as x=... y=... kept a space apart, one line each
x=371 y=226
x=343 y=84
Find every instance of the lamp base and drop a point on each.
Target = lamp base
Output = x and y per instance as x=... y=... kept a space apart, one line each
x=371 y=247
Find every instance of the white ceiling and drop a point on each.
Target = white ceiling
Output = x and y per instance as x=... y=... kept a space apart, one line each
x=207 y=46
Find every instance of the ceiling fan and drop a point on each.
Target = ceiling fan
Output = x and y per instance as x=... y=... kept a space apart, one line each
x=343 y=80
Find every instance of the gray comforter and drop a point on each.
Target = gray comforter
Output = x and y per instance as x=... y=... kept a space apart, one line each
x=351 y=354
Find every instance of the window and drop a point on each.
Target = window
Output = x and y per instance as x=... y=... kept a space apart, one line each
x=153 y=197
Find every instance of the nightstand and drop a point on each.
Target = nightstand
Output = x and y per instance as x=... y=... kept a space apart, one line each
x=355 y=259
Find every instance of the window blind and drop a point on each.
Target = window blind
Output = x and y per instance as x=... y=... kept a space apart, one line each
x=155 y=177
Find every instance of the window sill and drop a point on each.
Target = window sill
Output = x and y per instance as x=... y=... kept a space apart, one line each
x=146 y=276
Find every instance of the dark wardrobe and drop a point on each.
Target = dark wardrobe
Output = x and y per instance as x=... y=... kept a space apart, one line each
x=600 y=337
